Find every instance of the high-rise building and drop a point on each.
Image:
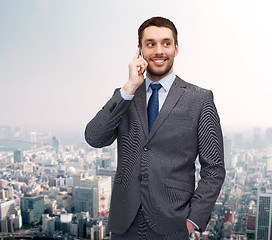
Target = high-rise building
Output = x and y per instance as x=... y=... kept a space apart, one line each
x=268 y=135
x=76 y=180
x=238 y=140
x=3 y=183
x=110 y=172
x=48 y=224
x=84 y=199
x=55 y=143
x=93 y=195
x=74 y=228
x=18 y=155
x=269 y=163
x=7 y=208
x=4 y=225
x=3 y=193
x=11 y=222
x=264 y=215
x=98 y=231
x=82 y=221
x=227 y=153
x=32 y=208
x=251 y=226
x=33 y=140
x=103 y=162
x=114 y=156
x=257 y=141
x=65 y=221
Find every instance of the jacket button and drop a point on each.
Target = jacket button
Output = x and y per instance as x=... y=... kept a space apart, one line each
x=140 y=177
x=146 y=149
x=145 y=175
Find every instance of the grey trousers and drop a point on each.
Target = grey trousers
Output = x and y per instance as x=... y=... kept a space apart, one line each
x=139 y=230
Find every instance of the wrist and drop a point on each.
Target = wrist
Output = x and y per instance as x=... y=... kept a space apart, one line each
x=130 y=88
x=190 y=226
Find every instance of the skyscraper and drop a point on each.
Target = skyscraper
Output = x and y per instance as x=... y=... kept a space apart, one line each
x=268 y=135
x=227 y=153
x=7 y=207
x=110 y=172
x=257 y=141
x=84 y=198
x=93 y=195
x=32 y=208
x=18 y=155
x=55 y=143
x=264 y=214
x=76 y=180
x=33 y=139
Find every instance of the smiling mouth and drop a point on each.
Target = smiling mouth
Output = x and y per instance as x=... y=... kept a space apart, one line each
x=159 y=61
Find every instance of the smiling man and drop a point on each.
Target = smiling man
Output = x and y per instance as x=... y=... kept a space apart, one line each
x=161 y=124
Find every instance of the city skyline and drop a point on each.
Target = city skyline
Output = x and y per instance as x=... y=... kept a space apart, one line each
x=60 y=63
x=68 y=187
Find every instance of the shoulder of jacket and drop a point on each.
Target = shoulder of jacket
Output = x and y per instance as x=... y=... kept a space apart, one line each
x=191 y=87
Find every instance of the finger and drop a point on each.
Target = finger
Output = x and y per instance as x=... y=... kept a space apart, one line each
x=143 y=69
x=137 y=54
x=144 y=65
x=139 y=63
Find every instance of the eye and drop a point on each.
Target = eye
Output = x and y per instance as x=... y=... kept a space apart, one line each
x=150 y=44
x=166 y=44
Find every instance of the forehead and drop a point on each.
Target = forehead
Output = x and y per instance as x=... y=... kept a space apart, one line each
x=157 y=33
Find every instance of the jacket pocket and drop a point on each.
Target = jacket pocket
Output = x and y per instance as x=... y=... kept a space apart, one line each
x=179 y=185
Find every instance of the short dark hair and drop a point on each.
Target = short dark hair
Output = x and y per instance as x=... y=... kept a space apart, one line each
x=158 y=22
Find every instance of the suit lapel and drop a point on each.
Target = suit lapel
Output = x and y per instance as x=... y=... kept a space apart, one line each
x=175 y=92
x=140 y=102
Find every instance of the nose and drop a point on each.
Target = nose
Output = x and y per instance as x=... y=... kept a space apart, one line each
x=159 y=49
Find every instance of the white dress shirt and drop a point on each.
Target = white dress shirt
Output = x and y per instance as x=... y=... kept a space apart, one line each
x=166 y=83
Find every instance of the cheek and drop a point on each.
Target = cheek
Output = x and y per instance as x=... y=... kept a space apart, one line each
x=147 y=54
x=172 y=54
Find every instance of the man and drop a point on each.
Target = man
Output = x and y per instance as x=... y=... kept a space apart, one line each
x=161 y=124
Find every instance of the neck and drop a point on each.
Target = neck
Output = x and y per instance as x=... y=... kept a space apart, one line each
x=155 y=78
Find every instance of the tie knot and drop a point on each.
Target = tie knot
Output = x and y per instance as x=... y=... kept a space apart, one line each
x=155 y=86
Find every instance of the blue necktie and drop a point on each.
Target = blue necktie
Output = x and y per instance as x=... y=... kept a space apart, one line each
x=153 y=105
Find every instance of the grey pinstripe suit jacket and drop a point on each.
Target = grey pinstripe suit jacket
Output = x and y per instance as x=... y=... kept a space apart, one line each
x=157 y=168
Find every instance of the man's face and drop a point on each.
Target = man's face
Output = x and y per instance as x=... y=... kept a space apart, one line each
x=159 y=50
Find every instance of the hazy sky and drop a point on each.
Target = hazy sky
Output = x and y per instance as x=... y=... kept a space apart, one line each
x=61 y=60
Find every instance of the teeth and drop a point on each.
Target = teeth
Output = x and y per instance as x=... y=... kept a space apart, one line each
x=158 y=61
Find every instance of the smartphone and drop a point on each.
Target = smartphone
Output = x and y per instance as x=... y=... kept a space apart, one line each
x=141 y=55
x=141 y=52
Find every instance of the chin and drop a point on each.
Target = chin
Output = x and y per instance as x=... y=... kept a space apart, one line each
x=158 y=73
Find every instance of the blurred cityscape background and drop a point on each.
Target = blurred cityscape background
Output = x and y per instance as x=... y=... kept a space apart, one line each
x=48 y=189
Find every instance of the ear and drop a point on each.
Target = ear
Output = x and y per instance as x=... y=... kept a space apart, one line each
x=176 y=49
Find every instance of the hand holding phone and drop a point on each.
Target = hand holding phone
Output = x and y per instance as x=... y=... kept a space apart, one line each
x=137 y=68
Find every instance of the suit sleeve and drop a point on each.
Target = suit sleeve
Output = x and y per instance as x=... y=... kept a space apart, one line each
x=101 y=131
x=211 y=158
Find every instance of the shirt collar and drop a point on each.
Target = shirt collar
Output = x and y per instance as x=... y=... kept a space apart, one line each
x=166 y=82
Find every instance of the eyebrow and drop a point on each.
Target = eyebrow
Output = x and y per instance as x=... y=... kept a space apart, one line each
x=151 y=39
